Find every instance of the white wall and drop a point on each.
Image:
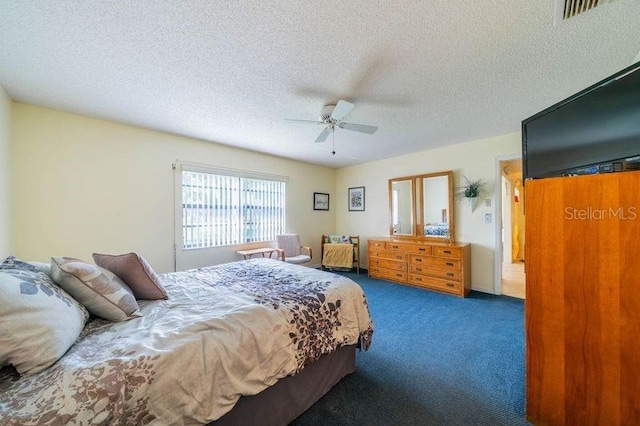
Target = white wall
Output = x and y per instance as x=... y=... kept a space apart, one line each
x=86 y=185
x=5 y=223
x=475 y=159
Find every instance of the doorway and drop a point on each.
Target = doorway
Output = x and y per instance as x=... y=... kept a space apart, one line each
x=510 y=227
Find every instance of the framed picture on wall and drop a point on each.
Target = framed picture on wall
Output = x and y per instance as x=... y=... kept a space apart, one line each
x=356 y=199
x=320 y=201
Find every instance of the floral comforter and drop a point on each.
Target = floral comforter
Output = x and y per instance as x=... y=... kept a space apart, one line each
x=225 y=331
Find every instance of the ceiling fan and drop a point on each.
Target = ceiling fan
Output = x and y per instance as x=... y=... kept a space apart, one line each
x=331 y=117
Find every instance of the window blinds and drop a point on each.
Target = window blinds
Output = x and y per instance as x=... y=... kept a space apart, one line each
x=222 y=207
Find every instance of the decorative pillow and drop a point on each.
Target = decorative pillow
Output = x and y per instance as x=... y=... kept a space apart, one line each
x=41 y=266
x=339 y=239
x=40 y=321
x=100 y=291
x=135 y=272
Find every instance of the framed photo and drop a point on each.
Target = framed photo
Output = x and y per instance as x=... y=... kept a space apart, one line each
x=320 y=201
x=356 y=199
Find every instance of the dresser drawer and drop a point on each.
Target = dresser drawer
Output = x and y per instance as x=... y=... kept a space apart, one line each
x=452 y=252
x=377 y=245
x=391 y=255
x=436 y=262
x=445 y=285
x=419 y=249
x=375 y=271
x=450 y=274
x=400 y=247
x=388 y=264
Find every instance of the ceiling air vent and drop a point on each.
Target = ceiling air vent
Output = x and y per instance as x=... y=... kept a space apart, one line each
x=570 y=8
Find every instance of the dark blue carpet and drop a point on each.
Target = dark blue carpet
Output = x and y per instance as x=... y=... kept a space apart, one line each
x=435 y=360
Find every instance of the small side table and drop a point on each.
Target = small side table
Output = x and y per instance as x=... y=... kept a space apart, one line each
x=248 y=254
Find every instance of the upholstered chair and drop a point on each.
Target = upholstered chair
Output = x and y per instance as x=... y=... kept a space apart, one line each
x=290 y=249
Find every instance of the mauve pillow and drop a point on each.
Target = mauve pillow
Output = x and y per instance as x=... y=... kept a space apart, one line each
x=135 y=272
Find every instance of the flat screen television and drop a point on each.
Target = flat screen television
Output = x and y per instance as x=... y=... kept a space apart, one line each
x=594 y=131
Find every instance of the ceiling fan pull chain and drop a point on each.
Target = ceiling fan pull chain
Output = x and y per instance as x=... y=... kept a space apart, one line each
x=333 y=142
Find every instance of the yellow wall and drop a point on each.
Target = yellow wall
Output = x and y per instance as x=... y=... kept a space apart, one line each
x=517 y=217
x=475 y=159
x=86 y=185
x=5 y=223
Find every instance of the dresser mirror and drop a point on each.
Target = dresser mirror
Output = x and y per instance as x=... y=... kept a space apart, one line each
x=422 y=206
x=402 y=200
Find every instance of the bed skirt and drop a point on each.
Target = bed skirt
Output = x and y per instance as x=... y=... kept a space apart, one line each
x=293 y=395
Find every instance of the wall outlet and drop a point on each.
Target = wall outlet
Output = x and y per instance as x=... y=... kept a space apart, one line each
x=487 y=218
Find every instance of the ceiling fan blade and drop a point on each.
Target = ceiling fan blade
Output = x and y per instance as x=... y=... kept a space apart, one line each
x=323 y=135
x=303 y=121
x=362 y=128
x=341 y=110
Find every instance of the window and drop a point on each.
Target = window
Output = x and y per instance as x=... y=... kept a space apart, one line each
x=223 y=207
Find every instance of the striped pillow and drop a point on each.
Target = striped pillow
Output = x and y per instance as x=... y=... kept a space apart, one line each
x=100 y=291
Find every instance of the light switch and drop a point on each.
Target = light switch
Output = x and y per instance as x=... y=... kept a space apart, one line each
x=487 y=218
x=487 y=202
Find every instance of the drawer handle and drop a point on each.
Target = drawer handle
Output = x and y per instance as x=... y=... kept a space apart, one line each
x=417 y=259
x=398 y=257
x=449 y=274
x=449 y=264
x=395 y=247
x=418 y=279
x=419 y=269
x=450 y=285
x=422 y=249
x=398 y=275
x=446 y=251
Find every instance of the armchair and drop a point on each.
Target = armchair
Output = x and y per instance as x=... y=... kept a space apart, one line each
x=290 y=250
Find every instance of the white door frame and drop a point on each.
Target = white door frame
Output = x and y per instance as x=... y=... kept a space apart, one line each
x=497 y=285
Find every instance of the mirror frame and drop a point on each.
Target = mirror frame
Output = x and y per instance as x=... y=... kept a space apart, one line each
x=412 y=182
x=417 y=212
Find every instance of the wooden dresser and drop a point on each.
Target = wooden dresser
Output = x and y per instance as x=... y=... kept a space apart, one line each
x=430 y=265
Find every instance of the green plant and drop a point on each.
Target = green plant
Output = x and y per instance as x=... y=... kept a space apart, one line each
x=470 y=189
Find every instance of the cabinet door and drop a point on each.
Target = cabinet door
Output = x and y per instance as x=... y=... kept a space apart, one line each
x=582 y=302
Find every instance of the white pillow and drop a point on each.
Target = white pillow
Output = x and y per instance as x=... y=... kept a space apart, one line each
x=99 y=290
x=41 y=266
x=39 y=320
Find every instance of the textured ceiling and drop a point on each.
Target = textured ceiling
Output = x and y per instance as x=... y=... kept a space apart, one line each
x=427 y=73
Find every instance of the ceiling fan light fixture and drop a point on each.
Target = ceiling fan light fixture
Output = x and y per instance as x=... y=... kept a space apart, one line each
x=325 y=114
x=331 y=116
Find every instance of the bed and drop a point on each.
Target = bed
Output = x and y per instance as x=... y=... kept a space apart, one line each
x=255 y=339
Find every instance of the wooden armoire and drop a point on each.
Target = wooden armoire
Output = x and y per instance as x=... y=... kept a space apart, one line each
x=583 y=299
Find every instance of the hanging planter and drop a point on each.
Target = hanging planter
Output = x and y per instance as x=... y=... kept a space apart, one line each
x=470 y=191
x=471 y=201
